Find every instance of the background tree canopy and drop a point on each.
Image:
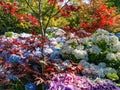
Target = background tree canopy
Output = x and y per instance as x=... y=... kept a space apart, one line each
x=115 y=3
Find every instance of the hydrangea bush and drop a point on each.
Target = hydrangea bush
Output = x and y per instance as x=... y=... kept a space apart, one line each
x=68 y=81
x=21 y=60
x=93 y=71
x=101 y=46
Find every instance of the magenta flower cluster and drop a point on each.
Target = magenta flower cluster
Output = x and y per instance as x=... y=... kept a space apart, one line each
x=68 y=81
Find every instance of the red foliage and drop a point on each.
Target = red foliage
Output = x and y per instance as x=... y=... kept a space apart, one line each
x=66 y=11
x=52 y=68
x=9 y=7
x=28 y=18
x=26 y=67
x=12 y=8
x=31 y=65
x=103 y=19
x=100 y=18
x=61 y=0
x=53 y=2
x=76 y=31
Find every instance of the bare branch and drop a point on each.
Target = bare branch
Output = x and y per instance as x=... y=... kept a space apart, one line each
x=30 y=7
x=49 y=18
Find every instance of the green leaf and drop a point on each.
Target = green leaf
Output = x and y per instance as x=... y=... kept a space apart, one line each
x=9 y=34
x=112 y=76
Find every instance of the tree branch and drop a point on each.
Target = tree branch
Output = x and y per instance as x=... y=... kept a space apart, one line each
x=49 y=18
x=61 y=8
x=30 y=7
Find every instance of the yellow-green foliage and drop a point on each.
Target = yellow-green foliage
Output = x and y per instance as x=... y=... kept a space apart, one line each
x=57 y=22
x=113 y=76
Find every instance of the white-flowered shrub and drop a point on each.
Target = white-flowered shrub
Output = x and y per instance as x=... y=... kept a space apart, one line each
x=101 y=46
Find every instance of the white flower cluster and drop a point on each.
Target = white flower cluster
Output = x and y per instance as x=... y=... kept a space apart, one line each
x=114 y=46
x=80 y=54
x=66 y=49
x=113 y=56
x=102 y=35
x=16 y=35
x=100 y=42
x=103 y=41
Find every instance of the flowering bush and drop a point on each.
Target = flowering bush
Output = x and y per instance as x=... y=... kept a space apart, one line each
x=100 y=70
x=107 y=48
x=102 y=46
x=21 y=60
x=100 y=43
x=67 y=81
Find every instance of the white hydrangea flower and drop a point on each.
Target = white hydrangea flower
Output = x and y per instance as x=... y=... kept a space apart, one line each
x=113 y=39
x=54 y=42
x=67 y=49
x=101 y=38
x=111 y=56
x=25 y=35
x=52 y=39
x=48 y=50
x=83 y=40
x=80 y=47
x=51 y=29
x=118 y=56
x=102 y=31
x=116 y=47
x=95 y=49
x=80 y=54
x=97 y=39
